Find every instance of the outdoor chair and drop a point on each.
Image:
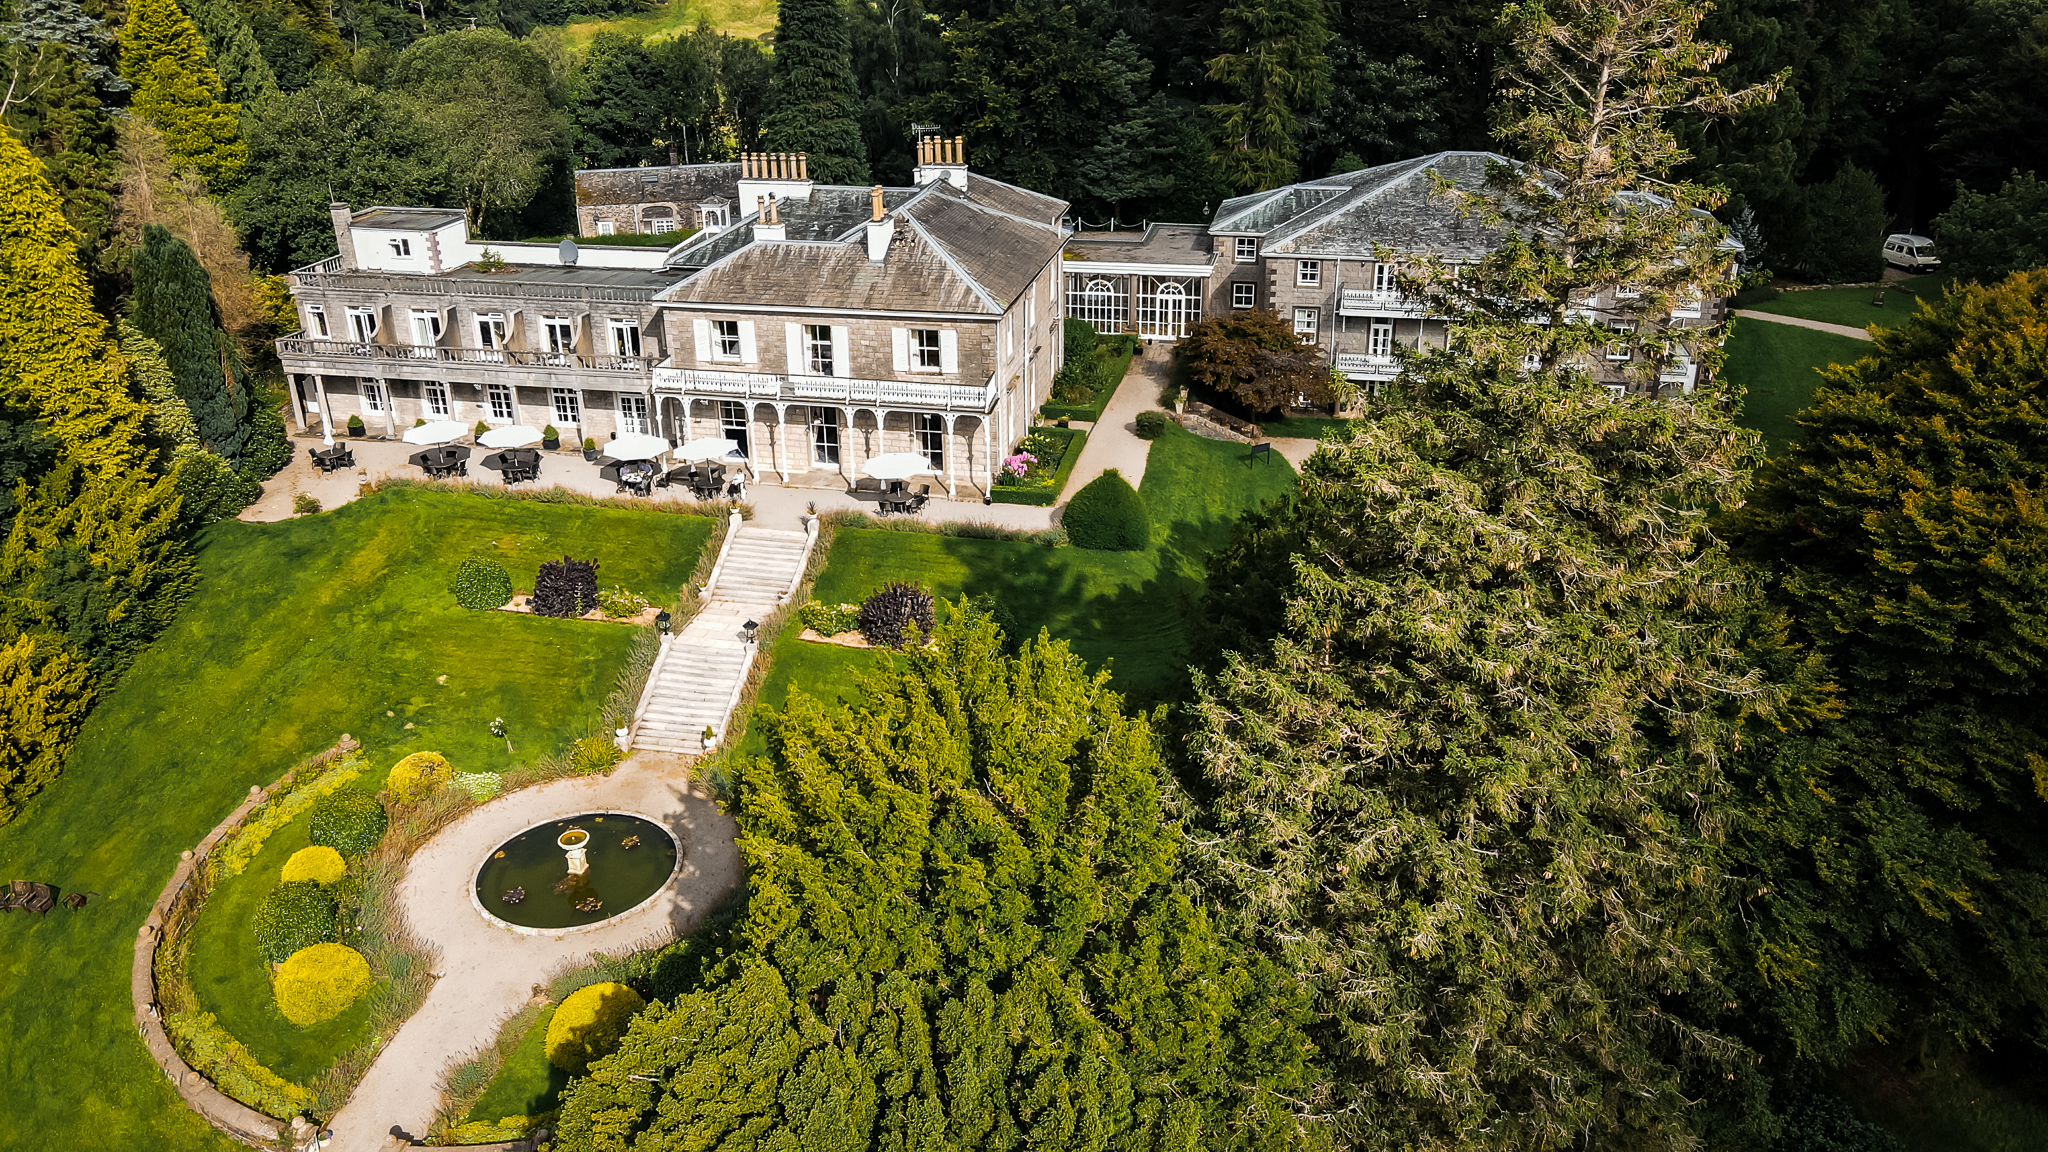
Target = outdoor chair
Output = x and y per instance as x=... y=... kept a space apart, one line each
x=917 y=499
x=867 y=488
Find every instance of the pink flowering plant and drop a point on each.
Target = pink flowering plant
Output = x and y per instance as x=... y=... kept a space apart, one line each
x=1035 y=463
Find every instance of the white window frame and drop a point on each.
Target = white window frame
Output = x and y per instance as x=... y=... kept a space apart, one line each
x=1385 y=278
x=504 y=404
x=607 y=228
x=362 y=325
x=375 y=397
x=436 y=394
x=1379 y=340
x=492 y=330
x=1306 y=332
x=1245 y=249
x=316 y=322
x=633 y=413
x=1100 y=300
x=825 y=437
x=926 y=350
x=558 y=333
x=401 y=246
x=663 y=225
x=818 y=349
x=625 y=336
x=931 y=437
x=1244 y=294
x=426 y=329
x=1627 y=292
x=726 y=341
x=1619 y=352
x=1308 y=273
x=568 y=406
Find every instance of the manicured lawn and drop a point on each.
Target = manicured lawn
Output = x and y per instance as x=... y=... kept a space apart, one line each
x=1852 y=306
x=526 y=1084
x=679 y=18
x=1307 y=427
x=298 y=632
x=1777 y=364
x=1127 y=609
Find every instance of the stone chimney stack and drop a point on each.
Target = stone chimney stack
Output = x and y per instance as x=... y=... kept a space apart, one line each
x=786 y=175
x=942 y=158
x=344 y=235
x=881 y=227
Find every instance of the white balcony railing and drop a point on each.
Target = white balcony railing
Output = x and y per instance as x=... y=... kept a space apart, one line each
x=1376 y=302
x=836 y=389
x=504 y=357
x=1360 y=366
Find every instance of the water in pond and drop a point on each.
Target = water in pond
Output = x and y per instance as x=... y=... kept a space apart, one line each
x=527 y=882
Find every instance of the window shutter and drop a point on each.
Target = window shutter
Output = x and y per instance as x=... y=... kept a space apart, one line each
x=793 y=340
x=702 y=330
x=949 y=350
x=747 y=353
x=899 y=349
x=842 y=363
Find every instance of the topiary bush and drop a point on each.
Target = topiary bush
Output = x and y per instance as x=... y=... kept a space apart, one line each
x=482 y=583
x=589 y=1024
x=1151 y=424
x=318 y=983
x=355 y=426
x=565 y=587
x=319 y=864
x=894 y=607
x=417 y=776
x=594 y=754
x=1108 y=515
x=1079 y=337
x=349 y=822
x=295 y=916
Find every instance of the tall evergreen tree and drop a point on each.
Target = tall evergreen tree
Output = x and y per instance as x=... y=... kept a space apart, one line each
x=177 y=90
x=813 y=102
x=245 y=76
x=1463 y=770
x=1275 y=69
x=174 y=306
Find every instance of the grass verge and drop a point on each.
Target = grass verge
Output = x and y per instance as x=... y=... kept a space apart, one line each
x=1852 y=306
x=1778 y=367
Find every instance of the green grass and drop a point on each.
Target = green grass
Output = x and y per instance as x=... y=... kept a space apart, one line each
x=677 y=18
x=1852 y=306
x=298 y=631
x=1126 y=609
x=1307 y=427
x=526 y=1084
x=1777 y=365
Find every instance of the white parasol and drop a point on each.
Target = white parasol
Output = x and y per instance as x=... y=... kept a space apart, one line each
x=438 y=432
x=515 y=436
x=898 y=466
x=635 y=446
x=709 y=448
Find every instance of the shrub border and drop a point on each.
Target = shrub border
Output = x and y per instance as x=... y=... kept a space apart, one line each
x=1091 y=412
x=1046 y=497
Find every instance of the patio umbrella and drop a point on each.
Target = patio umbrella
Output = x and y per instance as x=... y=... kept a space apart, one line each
x=709 y=448
x=515 y=436
x=898 y=466
x=636 y=446
x=438 y=432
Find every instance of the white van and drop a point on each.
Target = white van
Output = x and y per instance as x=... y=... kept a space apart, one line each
x=1915 y=253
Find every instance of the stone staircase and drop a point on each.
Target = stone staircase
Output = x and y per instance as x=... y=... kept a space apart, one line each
x=699 y=674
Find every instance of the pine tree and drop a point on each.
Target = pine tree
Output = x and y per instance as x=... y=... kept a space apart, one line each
x=177 y=90
x=813 y=102
x=1463 y=771
x=1273 y=65
x=245 y=75
x=174 y=306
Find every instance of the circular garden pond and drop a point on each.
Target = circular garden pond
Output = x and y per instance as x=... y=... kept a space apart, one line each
x=532 y=880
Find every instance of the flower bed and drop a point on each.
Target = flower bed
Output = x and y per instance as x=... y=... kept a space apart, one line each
x=1039 y=468
x=1112 y=359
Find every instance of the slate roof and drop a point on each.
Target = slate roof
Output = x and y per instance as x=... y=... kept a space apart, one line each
x=680 y=184
x=1180 y=244
x=952 y=252
x=1354 y=213
x=406 y=219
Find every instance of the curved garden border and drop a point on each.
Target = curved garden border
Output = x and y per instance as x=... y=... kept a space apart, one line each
x=674 y=871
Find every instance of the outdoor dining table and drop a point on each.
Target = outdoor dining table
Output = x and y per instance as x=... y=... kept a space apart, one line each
x=440 y=463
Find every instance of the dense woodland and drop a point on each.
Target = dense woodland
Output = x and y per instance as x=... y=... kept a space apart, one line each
x=1557 y=772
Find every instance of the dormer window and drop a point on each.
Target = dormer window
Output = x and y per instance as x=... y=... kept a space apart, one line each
x=401 y=246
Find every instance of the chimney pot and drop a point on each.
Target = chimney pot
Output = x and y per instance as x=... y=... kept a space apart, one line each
x=875 y=201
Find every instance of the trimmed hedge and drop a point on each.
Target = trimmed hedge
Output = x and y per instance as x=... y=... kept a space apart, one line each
x=419 y=775
x=1151 y=424
x=319 y=864
x=1109 y=516
x=319 y=983
x=221 y=1058
x=295 y=916
x=482 y=583
x=589 y=1024
x=1112 y=361
x=1075 y=439
x=349 y=822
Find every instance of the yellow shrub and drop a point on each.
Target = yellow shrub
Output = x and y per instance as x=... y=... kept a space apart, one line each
x=319 y=864
x=320 y=982
x=589 y=1024
x=418 y=775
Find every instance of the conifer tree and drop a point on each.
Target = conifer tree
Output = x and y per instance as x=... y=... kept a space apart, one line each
x=813 y=102
x=1273 y=64
x=174 y=306
x=44 y=695
x=1463 y=772
x=245 y=76
x=178 y=91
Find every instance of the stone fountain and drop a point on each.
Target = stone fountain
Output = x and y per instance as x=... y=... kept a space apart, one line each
x=575 y=842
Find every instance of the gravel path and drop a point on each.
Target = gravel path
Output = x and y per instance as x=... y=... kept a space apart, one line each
x=1113 y=440
x=1796 y=322
x=486 y=973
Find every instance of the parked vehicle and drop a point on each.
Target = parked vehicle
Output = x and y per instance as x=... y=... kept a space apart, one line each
x=1914 y=253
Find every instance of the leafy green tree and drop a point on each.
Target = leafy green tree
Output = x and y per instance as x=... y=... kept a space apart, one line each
x=245 y=76
x=1275 y=69
x=496 y=114
x=1985 y=236
x=51 y=65
x=1127 y=164
x=619 y=104
x=899 y=60
x=1383 y=111
x=333 y=139
x=1460 y=767
x=1845 y=229
x=963 y=930
x=177 y=91
x=813 y=102
x=44 y=695
x=1995 y=114
x=174 y=306
x=1254 y=357
x=1898 y=860
x=298 y=39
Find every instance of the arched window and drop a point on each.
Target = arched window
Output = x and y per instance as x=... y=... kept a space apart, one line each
x=1100 y=300
x=1166 y=308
